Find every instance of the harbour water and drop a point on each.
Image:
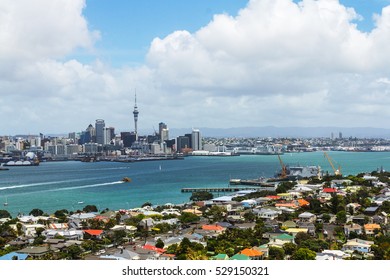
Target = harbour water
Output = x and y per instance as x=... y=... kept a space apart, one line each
x=72 y=185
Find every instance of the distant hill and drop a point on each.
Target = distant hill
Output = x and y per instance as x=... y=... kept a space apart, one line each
x=272 y=131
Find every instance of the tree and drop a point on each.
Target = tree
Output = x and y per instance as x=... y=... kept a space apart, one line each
x=301 y=236
x=276 y=253
x=215 y=214
x=159 y=243
x=90 y=208
x=74 y=252
x=187 y=218
x=304 y=254
x=61 y=215
x=326 y=217
x=146 y=204
x=36 y=212
x=201 y=196
x=4 y=214
x=341 y=217
x=289 y=248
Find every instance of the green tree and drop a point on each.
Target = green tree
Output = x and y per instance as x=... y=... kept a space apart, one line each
x=146 y=204
x=215 y=214
x=341 y=217
x=187 y=218
x=201 y=196
x=300 y=237
x=61 y=215
x=289 y=248
x=90 y=208
x=36 y=212
x=326 y=217
x=304 y=254
x=159 y=243
x=4 y=214
x=74 y=252
x=276 y=253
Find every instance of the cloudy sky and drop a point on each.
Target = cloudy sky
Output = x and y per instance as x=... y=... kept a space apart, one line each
x=195 y=63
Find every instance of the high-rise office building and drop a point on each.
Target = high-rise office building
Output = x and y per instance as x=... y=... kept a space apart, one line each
x=196 y=140
x=109 y=134
x=135 y=113
x=128 y=139
x=182 y=142
x=164 y=136
x=99 y=130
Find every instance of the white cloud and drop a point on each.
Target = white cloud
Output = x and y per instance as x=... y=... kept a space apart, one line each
x=275 y=63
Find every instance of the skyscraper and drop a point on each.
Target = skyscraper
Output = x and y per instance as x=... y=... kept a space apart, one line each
x=196 y=140
x=99 y=130
x=135 y=113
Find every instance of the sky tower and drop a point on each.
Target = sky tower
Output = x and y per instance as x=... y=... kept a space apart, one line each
x=135 y=113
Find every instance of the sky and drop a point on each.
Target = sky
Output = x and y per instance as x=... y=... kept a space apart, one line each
x=194 y=63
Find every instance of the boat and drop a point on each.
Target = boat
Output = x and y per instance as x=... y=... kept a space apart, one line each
x=126 y=179
x=6 y=202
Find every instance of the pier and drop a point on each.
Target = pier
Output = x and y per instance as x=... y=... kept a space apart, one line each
x=226 y=189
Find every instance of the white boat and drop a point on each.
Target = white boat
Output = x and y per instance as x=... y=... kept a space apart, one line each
x=6 y=202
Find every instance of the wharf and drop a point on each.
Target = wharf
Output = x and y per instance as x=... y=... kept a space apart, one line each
x=224 y=189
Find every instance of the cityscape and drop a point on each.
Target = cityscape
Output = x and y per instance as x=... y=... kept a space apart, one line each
x=153 y=132
x=99 y=142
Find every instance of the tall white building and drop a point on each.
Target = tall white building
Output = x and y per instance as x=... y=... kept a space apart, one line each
x=196 y=140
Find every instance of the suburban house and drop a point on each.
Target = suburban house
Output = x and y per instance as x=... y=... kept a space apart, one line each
x=360 y=245
x=266 y=213
x=371 y=229
x=348 y=228
x=307 y=217
x=280 y=240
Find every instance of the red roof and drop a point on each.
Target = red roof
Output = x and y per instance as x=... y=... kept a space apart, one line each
x=273 y=197
x=212 y=227
x=329 y=190
x=153 y=248
x=96 y=232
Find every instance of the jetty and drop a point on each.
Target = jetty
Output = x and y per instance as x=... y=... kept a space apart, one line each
x=270 y=187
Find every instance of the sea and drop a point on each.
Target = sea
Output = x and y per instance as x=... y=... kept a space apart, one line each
x=72 y=185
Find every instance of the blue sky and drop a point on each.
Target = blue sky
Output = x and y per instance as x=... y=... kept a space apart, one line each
x=128 y=27
x=195 y=63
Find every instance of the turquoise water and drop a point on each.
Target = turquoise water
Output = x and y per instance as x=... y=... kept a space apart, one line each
x=61 y=185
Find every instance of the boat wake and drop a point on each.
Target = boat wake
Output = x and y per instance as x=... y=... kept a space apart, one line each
x=87 y=186
x=36 y=184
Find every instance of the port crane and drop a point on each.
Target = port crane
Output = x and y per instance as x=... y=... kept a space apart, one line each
x=336 y=171
x=283 y=174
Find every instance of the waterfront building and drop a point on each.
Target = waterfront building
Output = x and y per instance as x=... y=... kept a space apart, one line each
x=196 y=140
x=72 y=149
x=99 y=130
x=91 y=148
x=56 y=149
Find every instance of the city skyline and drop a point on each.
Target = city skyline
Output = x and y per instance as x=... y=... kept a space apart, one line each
x=223 y=64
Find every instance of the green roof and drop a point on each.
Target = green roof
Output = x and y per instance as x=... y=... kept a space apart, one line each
x=220 y=257
x=240 y=257
x=284 y=236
